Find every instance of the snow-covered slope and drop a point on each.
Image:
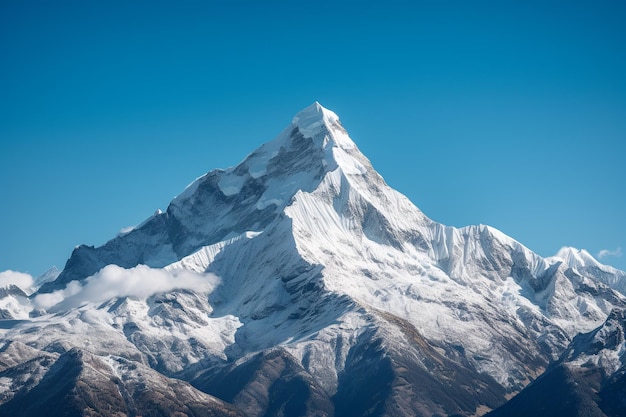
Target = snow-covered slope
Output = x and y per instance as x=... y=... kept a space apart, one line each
x=589 y=379
x=581 y=261
x=301 y=265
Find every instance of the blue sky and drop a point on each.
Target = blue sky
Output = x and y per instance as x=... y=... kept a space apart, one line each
x=511 y=114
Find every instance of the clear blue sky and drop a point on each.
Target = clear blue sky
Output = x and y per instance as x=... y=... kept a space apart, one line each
x=511 y=114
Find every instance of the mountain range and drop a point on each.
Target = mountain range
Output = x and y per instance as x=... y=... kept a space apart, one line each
x=298 y=283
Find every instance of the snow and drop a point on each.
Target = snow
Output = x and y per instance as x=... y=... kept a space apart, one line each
x=606 y=350
x=126 y=230
x=200 y=260
x=312 y=119
x=279 y=192
x=582 y=259
x=575 y=257
x=257 y=161
x=338 y=232
x=18 y=307
x=349 y=165
x=231 y=183
x=331 y=229
x=48 y=276
x=585 y=264
x=190 y=189
x=264 y=203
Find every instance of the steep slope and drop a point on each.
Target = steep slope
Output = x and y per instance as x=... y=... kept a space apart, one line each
x=220 y=204
x=12 y=303
x=269 y=383
x=581 y=261
x=589 y=379
x=79 y=383
x=301 y=266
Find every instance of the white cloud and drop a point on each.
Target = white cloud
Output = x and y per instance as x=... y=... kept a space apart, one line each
x=607 y=252
x=21 y=279
x=113 y=281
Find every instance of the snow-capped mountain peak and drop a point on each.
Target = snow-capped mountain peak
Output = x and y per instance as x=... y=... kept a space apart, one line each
x=322 y=274
x=308 y=145
x=576 y=258
x=316 y=119
x=311 y=118
x=584 y=263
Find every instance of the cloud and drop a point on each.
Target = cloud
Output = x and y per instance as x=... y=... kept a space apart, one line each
x=21 y=279
x=607 y=252
x=113 y=281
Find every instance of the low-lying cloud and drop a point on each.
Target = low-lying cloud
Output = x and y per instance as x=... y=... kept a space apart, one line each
x=607 y=252
x=21 y=279
x=113 y=281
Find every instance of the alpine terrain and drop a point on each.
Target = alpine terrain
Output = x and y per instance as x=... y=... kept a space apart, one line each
x=298 y=283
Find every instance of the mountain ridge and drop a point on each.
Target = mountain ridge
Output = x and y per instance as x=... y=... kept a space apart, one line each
x=316 y=267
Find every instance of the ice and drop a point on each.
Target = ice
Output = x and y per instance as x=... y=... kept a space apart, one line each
x=231 y=184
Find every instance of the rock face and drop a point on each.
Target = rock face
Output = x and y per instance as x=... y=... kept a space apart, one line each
x=589 y=379
x=298 y=283
x=80 y=384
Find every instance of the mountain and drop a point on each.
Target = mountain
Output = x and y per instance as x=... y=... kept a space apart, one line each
x=79 y=383
x=588 y=380
x=300 y=283
x=581 y=261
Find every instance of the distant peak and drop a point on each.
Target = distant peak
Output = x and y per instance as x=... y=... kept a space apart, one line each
x=566 y=250
x=576 y=258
